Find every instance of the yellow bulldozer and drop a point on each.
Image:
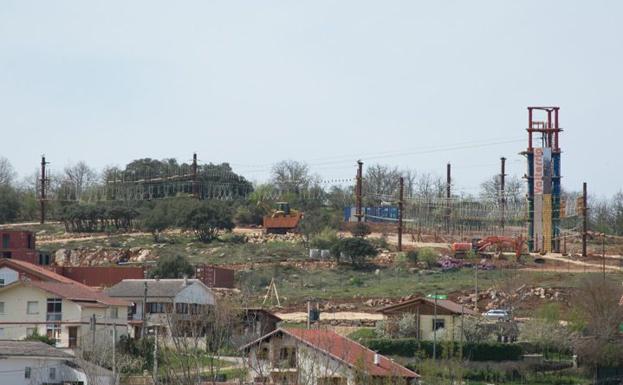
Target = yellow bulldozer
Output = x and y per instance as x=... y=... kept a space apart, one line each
x=282 y=220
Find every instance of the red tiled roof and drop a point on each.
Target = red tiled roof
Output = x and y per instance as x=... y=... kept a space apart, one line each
x=346 y=350
x=450 y=306
x=36 y=270
x=77 y=292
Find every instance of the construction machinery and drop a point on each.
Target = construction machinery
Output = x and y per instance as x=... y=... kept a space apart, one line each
x=282 y=220
x=481 y=246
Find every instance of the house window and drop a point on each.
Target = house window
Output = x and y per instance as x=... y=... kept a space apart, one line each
x=114 y=313
x=53 y=331
x=55 y=309
x=32 y=307
x=27 y=372
x=1 y=282
x=262 y=352
x=1 y=307
x=30 y=242
x=6 y=240
x=155 y=307
x=52 y=373
x=439 y=323
x=287 y=357
x=1 y=332
x=181 y=308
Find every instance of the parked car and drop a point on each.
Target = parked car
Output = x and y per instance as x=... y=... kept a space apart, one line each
x=497 y=314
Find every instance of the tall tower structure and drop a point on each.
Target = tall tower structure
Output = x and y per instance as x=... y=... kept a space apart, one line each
x=543 y=155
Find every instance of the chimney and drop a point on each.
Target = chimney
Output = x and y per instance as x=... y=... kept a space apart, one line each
x=377 y=359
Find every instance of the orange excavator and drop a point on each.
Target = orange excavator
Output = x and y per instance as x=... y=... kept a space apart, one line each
x=480 y=246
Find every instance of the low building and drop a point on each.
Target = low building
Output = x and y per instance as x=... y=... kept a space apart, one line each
x=37 y=363
x=319 y=357
x=20 y=245
x=173 y=305
x=434 y=318
x=67 y=312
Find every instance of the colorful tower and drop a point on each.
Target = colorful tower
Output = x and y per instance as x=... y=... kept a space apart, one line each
x=543 y=155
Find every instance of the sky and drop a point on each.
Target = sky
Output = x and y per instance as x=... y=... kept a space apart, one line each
x=413 y=84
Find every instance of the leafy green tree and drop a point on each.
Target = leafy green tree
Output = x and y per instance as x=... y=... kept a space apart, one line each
x=360 y=229
x=9 y=204
x=158 y=219
x=208 y=218
x=172 y=267
x=356 y=249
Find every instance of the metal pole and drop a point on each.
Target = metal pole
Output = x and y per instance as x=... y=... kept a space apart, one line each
x=155 y=375
x=462 y=329
x=435 y=330
x=400 y=209
x=603 y=254
x=584 y=219
x=42 y=189
x=448 y=193
x=308 y=315
x=94 y=322
x=194 y=176
x=144 y=316
x=476 y=286
x=114 y=352
x=358 y=190
x=502 y=191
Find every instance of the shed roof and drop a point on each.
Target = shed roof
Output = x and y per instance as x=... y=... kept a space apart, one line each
x=446 y=304
x=9 y=348
x=167 y=288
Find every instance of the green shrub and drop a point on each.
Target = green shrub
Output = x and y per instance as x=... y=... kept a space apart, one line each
x=428 y=256
x=325 y=240
x=412 y=256
x=233 y=238
x=360 y=230
x=409 y=347
x=356 y=249
x=356 y=281
x=363 y=333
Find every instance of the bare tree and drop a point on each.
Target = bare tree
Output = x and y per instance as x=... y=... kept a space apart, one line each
x=79 y=177
x=599 y=315
x=514 y=192
x=7 y=173
x=291 y=176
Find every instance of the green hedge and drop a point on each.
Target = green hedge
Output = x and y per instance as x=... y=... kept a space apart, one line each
x=410 y=347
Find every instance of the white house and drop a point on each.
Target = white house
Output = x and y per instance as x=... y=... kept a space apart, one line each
x=64 y=311
x=36 y=363
x=319 y=357
x=167 y=299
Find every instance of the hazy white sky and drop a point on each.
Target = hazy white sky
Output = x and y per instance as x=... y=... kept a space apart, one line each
x=254 y=82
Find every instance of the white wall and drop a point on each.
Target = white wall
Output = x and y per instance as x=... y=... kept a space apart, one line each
x=9 y=275
x=195 y=293
x=12 y=371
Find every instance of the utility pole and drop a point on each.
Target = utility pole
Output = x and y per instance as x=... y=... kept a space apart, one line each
x=462 y=331
x=603 y=254
x=144 y=328
x=308 y=315
x=359 y=190
x=448 y=184
x=114 y=352
x=155 y=375
x=400 y=209
x=476 y=285
x=435 y=330
x=195 y=188
x=93 y=323
x=584 y=219
x=43 y=181
x=502 y=191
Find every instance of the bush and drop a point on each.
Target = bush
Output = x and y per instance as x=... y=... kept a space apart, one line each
x=360 y=229
x=325 y=240
x=410 y=347
x=412 y=256
x=172 y=267
x=207 y=218
x=357 y=249
x=363 y=333
x=233 y=238
x=428 y=256
x=41 y=338
x=356 y=281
